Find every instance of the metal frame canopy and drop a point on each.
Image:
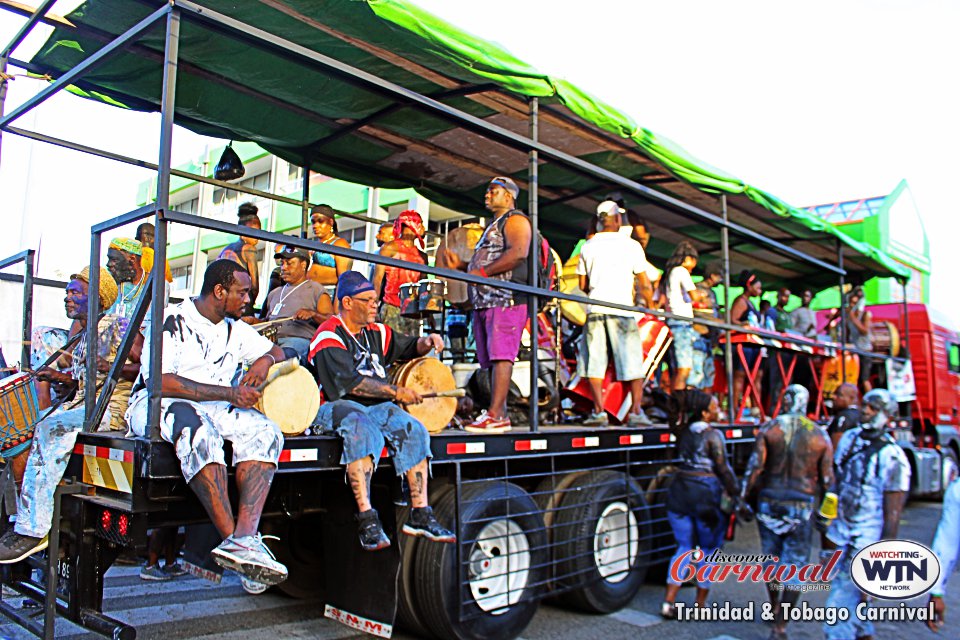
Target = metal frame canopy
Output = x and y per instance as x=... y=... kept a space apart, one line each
x=381 y=93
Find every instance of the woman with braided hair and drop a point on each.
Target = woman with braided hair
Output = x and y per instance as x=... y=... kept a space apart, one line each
x=693 y=499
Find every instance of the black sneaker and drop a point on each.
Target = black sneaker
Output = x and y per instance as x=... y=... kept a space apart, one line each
x=422 y=523
x=372 y=537
x=15 y=547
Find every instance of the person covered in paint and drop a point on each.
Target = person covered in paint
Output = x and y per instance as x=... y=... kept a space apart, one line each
x=39 y=465
x=792 y=461
x=872 y=480
x=244 y=250
x=946 y=544
x=693 y=499
x=327 y=267
x=123 y=263
x=407 y=246
x=846 y=411
x=611 y=268
x=300 y=299
x=499 y=315
x=351 y=353
x=208 y=398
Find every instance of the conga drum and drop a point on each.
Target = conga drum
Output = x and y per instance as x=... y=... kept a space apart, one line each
x=291 y=400
x=428 y=375
x=885 y=338
x=430 y=296
x=462 y=241
x=410 y=300
x=19 y=413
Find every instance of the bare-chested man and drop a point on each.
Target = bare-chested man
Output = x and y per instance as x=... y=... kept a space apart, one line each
x=846 y=411
x=792 y=463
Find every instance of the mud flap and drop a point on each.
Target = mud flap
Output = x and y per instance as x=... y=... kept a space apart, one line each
x=362 y=584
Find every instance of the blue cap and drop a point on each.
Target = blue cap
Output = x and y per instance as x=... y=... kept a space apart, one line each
x=350 y=283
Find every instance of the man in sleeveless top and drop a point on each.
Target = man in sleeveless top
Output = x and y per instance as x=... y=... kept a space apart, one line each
x=351 y=353
x=792 y=463
x=300 y=299
x=499 y=315
x=408 y=246
x=846 y=412
x=244 y=250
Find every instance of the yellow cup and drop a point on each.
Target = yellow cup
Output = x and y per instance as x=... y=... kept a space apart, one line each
x=828 y=509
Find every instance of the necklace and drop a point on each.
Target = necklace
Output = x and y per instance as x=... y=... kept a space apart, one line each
x=136 y=289
x=277 y=307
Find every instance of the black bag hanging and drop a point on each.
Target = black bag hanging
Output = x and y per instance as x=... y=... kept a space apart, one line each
x=229 y=167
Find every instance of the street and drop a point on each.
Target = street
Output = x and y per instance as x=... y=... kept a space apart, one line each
x=194 y=608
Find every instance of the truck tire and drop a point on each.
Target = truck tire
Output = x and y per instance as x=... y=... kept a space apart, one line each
x=602 y=535
x=548 y=495
x=300 y=549
x=504 y=547
x=408 y=610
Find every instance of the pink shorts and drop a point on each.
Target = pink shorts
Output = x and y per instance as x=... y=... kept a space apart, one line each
x=497 y=332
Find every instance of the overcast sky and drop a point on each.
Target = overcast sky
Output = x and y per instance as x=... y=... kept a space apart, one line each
x=814 y=102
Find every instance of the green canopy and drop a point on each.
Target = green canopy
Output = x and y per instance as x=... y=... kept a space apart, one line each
x=236 y=88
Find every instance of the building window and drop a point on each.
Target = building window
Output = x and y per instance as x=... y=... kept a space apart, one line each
x=953 y=357
x=181 y=278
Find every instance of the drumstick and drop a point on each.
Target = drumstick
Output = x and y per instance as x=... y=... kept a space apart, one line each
x=452 y=393
x=287 y=366
x=260 y=326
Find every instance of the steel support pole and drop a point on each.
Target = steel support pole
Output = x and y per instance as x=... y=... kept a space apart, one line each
x=158 y=294
x=532 y=270
x=728 y=335
x=305 y=202
x=27 y=309
x=843 y=316
x=905 y=343
x=93 y=320
x=3 y=96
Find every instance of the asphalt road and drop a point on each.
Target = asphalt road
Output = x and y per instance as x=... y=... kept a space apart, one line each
x=193 y=608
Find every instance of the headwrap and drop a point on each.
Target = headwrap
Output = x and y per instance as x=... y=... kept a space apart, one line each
x=411 y=219
x=795 y=399
x=352 y=283
x=127 y=245
x=108 y=286
x=146 y=263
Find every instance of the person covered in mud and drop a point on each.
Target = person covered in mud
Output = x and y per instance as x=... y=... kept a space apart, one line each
x=351 y=353
x=208 y=398
x=39 y=464
x=791 y=464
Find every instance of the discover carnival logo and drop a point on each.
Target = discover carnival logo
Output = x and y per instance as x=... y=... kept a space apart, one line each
x=895 y=569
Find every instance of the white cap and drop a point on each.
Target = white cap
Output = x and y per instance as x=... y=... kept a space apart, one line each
x=609 y=208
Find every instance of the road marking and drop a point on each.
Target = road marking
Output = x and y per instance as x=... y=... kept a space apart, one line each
x=723 y=637
x=636 y=618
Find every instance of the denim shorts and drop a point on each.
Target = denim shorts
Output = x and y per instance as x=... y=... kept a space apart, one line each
x=619 y=334
x=684 y=336
x=785 y=528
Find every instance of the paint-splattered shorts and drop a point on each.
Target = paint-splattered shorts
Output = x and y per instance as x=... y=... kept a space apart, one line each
x=197 y=431
x=366 y=430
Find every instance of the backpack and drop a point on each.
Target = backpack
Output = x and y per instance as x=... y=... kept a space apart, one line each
x=548 y=275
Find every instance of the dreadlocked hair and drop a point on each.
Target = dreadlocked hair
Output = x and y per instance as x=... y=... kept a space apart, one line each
x=683 y=250
x=686 y=406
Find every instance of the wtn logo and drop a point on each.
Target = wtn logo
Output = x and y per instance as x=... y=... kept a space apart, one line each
x=895 y=569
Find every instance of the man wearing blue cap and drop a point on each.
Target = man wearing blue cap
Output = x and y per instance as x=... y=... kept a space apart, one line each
x=351 y=352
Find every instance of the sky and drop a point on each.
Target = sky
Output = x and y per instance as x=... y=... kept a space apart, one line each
x=815 y=102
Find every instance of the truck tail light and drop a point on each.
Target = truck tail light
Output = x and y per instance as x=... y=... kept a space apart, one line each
x=114 y=526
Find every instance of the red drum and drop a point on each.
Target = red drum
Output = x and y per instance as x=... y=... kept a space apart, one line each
x=616 y=395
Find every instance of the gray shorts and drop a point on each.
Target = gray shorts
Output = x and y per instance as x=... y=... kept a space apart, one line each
x=367 y=430
x=619 y=334
x=197 y=431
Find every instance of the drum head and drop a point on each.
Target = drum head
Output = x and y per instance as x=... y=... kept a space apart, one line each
x=425 y=375
x=291 y=401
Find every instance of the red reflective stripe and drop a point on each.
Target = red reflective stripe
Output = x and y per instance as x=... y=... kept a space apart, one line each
x=128 y=456
x=284 y=456
x=78 y=449
x=384 y=453
x=454 y=448
x=664 y=437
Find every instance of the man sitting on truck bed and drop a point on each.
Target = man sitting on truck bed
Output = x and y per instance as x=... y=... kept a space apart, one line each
x=351 y=353
x=208 y=399
x=41 y=465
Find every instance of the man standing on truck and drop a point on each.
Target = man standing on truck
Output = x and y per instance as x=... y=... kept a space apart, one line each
x=872 y=481
x=41 y=467
x=499 y=315
x=351 y=352
x=612 y=266
x=207 y=398
x=792 y=462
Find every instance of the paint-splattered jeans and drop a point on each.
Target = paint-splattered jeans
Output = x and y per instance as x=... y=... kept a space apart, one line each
x=197 y=431
x=366 y=430
x=50 y=452
x=845 y=594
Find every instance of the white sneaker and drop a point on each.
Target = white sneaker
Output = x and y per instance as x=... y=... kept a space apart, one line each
x=251 y=587
x=249 y=557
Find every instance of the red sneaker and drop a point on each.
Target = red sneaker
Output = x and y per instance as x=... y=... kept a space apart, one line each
x=485 y=423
